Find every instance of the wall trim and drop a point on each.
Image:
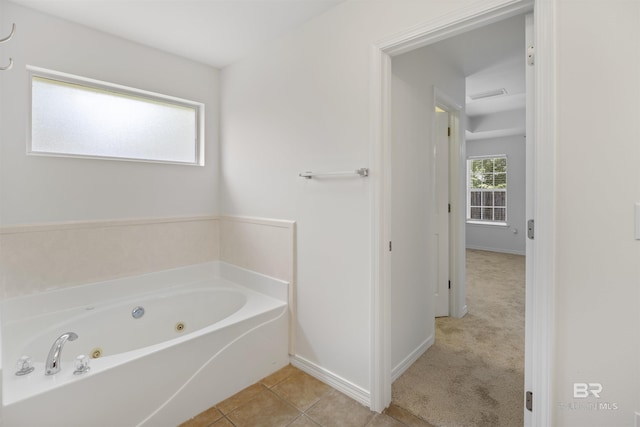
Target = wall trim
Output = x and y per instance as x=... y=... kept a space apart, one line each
x=458 y=198
x=380 y=294
x=469 y=17
x=411 y=358
x=476 y=15
x=79 y=225
x=541 y=348
x=342 y=385
x=282 y=223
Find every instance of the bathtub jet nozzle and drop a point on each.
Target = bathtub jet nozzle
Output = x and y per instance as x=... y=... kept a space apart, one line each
x=52 y=365
x=137 y=312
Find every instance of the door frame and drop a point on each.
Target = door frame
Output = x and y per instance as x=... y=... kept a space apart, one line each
x=539 y=342
x=457 y=198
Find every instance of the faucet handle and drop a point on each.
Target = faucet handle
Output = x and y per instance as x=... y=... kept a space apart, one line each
x=24 y=366
x=81 y=364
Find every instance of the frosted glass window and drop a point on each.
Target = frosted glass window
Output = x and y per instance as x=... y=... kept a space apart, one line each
x=71 y=116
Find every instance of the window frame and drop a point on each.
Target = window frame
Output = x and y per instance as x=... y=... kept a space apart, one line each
x=198 y=107
x=469 y=220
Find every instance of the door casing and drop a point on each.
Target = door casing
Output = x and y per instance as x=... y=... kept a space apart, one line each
x=456 y=186
x=538 y=357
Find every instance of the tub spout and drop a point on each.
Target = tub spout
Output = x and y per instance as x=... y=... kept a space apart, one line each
x=53 y=359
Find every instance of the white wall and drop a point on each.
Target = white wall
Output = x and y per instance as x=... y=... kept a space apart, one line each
x=413 y=214
x=512 y=120
x=36 y=189
x=302 y=103
x=598 y=182
x=510 y=239
x=3 y=58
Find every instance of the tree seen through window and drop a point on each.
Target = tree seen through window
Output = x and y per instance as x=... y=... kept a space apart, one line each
x=487 y=195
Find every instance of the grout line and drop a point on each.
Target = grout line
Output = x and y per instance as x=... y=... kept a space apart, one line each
x=230 y=422
x=301 y=413
x=316 y=402
x=278 y=383
x=395 y=419
x=284 y=400
x=245 y=403
x=296 y=419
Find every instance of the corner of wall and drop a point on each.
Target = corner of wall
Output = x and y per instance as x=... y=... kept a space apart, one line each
x=339 y=383
x=266 y=246
x=259 y=244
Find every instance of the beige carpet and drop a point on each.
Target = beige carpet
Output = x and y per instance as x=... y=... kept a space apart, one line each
x=473 y=375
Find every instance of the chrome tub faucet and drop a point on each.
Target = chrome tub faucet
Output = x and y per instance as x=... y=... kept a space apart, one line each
x=53 y=359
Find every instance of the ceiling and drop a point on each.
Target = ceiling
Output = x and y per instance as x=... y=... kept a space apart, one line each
x=220 y=32
x=213 y=32
x=492 y=58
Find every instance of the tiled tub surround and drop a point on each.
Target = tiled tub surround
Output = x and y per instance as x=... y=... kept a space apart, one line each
x=264 y=245
x=149 y=373
x=40 y=257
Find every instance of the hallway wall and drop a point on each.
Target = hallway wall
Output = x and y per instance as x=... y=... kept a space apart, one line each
x=413 y=267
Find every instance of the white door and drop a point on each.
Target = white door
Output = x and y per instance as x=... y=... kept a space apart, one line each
x=441 y=135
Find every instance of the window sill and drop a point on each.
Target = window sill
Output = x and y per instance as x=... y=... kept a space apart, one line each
x=487 y=223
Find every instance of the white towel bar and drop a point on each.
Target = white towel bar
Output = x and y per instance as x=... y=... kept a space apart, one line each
x=361 y=172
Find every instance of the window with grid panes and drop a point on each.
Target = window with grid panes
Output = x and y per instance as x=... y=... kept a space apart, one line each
x=487 y=189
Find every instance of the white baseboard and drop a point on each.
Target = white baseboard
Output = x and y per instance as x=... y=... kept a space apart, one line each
x=342 y=385
x=500 y=250
x=411 y=358
x=464 y=311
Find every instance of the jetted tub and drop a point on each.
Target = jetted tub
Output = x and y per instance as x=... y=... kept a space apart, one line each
x=207 y=332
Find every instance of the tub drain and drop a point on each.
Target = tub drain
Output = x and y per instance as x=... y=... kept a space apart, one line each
x=179 y=327
x=96 y=352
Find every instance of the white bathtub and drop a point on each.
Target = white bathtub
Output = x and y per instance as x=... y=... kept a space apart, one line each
x=208 y=331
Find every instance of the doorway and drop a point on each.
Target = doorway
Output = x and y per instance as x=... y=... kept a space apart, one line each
x=421 y=151
x=537 y=378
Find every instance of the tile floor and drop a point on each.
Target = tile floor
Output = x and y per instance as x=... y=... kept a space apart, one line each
x=292 y=398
